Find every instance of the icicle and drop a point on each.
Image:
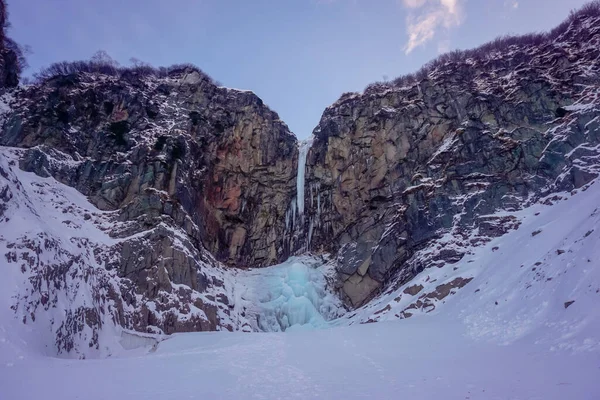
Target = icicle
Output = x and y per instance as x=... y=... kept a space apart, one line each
x=293 y=206
x=318 y=202
x=310 y=232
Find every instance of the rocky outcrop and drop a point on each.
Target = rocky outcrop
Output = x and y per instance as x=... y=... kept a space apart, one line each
x=405 y=163
x=84 y=275
x=210 y=157
x=194 y=175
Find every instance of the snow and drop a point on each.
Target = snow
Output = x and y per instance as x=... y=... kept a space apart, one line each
x=45 y=223
x=418 y=359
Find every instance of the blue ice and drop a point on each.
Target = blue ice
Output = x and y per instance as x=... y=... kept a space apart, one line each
x=292 y=296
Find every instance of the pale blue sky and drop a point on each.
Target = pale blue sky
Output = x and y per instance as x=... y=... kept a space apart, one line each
x=299 y=56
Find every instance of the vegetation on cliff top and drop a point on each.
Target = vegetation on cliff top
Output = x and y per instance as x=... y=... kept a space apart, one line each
x=488 y=52
x=8 y=45
x=102 y=63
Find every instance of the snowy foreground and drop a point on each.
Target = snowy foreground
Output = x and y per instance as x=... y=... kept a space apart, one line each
x=525 y=326
x=414 y=359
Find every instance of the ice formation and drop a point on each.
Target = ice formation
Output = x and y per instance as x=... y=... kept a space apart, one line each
x=294 y=216
x=302 y=153
x=294 y=294
x=291 y=295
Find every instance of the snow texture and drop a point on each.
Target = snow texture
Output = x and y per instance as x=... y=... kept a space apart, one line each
x=60 y=292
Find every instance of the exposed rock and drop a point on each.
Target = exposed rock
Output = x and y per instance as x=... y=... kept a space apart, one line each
x=427 y=302
x=195 y=174
x=442 y=291
x=216 y=157
x=359 y=288
x=568 y=303
x=402 y=165
x=413 y=290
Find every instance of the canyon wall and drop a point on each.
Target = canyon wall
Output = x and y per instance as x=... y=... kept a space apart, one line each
x=404 y=163
x=177 y=146
x=192 y=180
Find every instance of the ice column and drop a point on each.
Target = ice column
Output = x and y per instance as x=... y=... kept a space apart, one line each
x=302 y=153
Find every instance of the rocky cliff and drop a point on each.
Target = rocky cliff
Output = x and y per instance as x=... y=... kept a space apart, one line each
x=404 y=163
x=177 y=146
x=194 y=176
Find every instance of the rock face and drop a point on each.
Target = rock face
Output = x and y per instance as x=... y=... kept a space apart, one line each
x=84 y=274
x=404 y=163
x=194 y=176
x=215 y=160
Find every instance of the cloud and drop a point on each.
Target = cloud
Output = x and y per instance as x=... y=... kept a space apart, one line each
x=427 y=17
x=413 y=3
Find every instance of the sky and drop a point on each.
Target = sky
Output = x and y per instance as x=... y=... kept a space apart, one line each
x=299 y=56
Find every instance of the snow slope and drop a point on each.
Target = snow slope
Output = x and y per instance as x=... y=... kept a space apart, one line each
x=522 y=284
x=422 y=358
x=526 y=326
x=60 y=291
x=43 y=225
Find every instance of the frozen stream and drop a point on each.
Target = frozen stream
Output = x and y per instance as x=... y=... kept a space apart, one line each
x=291 y=295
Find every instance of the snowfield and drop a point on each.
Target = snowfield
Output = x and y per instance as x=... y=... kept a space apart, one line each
x=523 y=321
x=423 y=358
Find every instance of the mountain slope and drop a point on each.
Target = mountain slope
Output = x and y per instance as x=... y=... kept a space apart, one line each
x=540 y=281
x=193 y=177
x=62 y=288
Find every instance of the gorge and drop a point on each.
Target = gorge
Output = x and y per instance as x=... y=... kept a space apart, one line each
x=140 y=203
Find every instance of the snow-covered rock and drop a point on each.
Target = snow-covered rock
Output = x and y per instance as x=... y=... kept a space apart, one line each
x=474 y=133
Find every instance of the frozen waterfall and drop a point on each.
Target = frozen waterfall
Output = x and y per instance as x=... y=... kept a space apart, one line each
x=290 y=296
x=294 y=216
x=294 y=294
x=302 y=153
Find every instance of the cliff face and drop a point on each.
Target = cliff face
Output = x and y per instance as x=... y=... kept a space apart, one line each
x=396 y=167
x=179 y=146
x=192 y=176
